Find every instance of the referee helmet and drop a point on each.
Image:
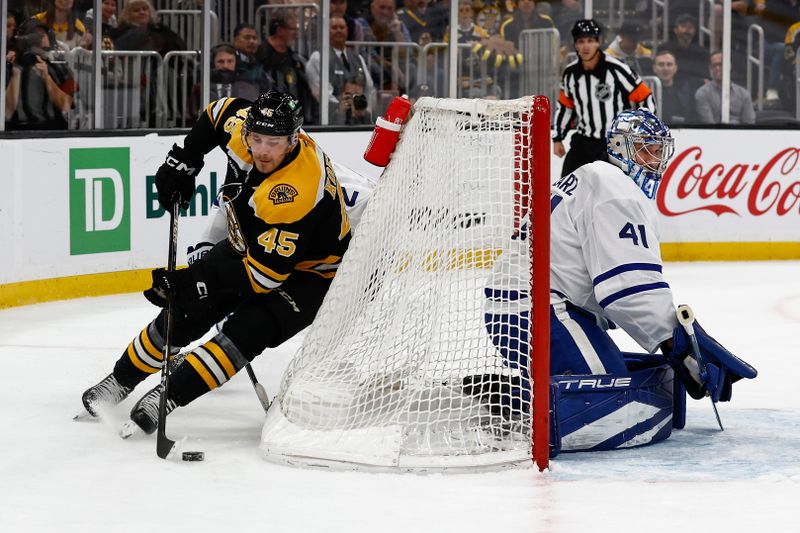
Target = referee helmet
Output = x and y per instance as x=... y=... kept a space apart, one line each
x=586 y=28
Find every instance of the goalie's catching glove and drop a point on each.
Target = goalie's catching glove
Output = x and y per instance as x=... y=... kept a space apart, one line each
x=176 y=176
x=722 y=368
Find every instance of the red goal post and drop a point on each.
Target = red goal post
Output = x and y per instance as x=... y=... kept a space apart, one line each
x=413 y=362
x=540 y=278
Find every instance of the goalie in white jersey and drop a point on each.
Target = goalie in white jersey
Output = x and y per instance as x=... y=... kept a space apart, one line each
x=606 y=271
x=605 y=256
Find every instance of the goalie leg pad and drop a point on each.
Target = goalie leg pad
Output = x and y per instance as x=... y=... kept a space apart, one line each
x=577 y=344
x=611 y=411
x=509 y=334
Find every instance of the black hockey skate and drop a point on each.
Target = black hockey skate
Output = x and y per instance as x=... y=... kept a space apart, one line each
x=145 y=413
x=108 y=392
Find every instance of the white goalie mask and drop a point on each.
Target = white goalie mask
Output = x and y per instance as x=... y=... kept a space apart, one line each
x=641 y=145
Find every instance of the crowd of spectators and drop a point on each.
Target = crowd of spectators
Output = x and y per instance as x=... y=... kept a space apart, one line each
x=404 y=37
x=41 y=85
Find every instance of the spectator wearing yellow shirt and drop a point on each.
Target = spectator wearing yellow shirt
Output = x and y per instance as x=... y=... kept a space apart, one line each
x=525 y=18
x=627 y=47
x=62 y=17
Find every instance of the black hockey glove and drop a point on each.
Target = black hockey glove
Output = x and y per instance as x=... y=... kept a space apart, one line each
x=717 y=373
x=177 y=175
x=190 y=288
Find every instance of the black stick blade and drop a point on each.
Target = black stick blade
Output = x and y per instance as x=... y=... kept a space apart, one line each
x=164 y=444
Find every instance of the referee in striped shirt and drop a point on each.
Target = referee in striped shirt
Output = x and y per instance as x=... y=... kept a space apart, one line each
x=594 y=89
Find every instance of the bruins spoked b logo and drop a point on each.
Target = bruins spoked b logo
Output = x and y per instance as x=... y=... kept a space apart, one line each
x=282 y=194
x=603 y=92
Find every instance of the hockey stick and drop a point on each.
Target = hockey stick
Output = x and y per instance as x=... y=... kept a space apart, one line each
x=260 y=391
x=164 y=445
x=686 y=319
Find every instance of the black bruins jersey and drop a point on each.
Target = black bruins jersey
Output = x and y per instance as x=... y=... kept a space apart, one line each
x=221 y=125
x=293 y=219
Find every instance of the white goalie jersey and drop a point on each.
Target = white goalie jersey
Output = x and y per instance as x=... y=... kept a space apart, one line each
x=605 y=252
x=604 y=255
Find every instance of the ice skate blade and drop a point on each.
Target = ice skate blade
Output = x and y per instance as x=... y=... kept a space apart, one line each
x=83 y=415
x=130 y=429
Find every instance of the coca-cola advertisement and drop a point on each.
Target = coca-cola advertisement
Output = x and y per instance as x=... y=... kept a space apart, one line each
x=732 y=186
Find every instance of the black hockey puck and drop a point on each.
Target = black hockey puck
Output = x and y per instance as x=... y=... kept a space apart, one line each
x=193 y=456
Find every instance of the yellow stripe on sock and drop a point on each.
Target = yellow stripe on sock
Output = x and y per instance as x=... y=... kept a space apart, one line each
x=202 y=371
x=221 y=357
x=150 y=347
x=138 y=363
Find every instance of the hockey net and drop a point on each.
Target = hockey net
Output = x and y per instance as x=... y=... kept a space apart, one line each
x=399 y=370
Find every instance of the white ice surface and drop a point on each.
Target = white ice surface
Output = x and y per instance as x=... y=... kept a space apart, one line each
x=57 y=475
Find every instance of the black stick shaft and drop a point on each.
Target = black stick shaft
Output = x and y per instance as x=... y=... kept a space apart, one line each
x=163 y=444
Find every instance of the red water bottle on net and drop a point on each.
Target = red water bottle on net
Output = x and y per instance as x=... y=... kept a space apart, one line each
x=387 y=131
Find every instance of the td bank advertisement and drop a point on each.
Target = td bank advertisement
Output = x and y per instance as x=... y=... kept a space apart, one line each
x=75 y=206
x=87 y=206
x=99 y=200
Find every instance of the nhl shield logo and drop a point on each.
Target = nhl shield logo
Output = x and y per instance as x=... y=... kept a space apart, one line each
x=603 y=92
x=282 y=194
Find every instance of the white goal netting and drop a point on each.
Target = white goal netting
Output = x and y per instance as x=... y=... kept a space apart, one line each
x=399 y=369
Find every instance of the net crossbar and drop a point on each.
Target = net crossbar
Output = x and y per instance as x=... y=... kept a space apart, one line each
x=413 y=361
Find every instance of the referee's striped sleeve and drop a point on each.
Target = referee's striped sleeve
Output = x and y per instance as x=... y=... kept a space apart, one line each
x=643 y=97
x=638 y=94
x=565 y=109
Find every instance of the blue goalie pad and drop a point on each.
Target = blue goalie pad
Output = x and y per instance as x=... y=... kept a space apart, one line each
x=613 y=411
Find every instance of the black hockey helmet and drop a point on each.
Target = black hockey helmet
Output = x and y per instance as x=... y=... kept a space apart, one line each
x=274 y=113
x=586 y=28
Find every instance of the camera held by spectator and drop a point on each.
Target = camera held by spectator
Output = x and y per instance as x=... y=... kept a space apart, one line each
x=33 y=45
x=41 y=85
x=359 y=101
x=353 y=104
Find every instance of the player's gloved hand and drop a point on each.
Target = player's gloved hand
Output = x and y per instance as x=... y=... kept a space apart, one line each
x=198 y=252
x=177 y=175
x=190 y=289
x=722 y=368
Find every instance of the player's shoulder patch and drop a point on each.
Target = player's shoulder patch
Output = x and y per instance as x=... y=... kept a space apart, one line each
x=282 y=193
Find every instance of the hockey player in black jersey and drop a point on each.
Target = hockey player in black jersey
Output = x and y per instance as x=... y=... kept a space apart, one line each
x=287 y=232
